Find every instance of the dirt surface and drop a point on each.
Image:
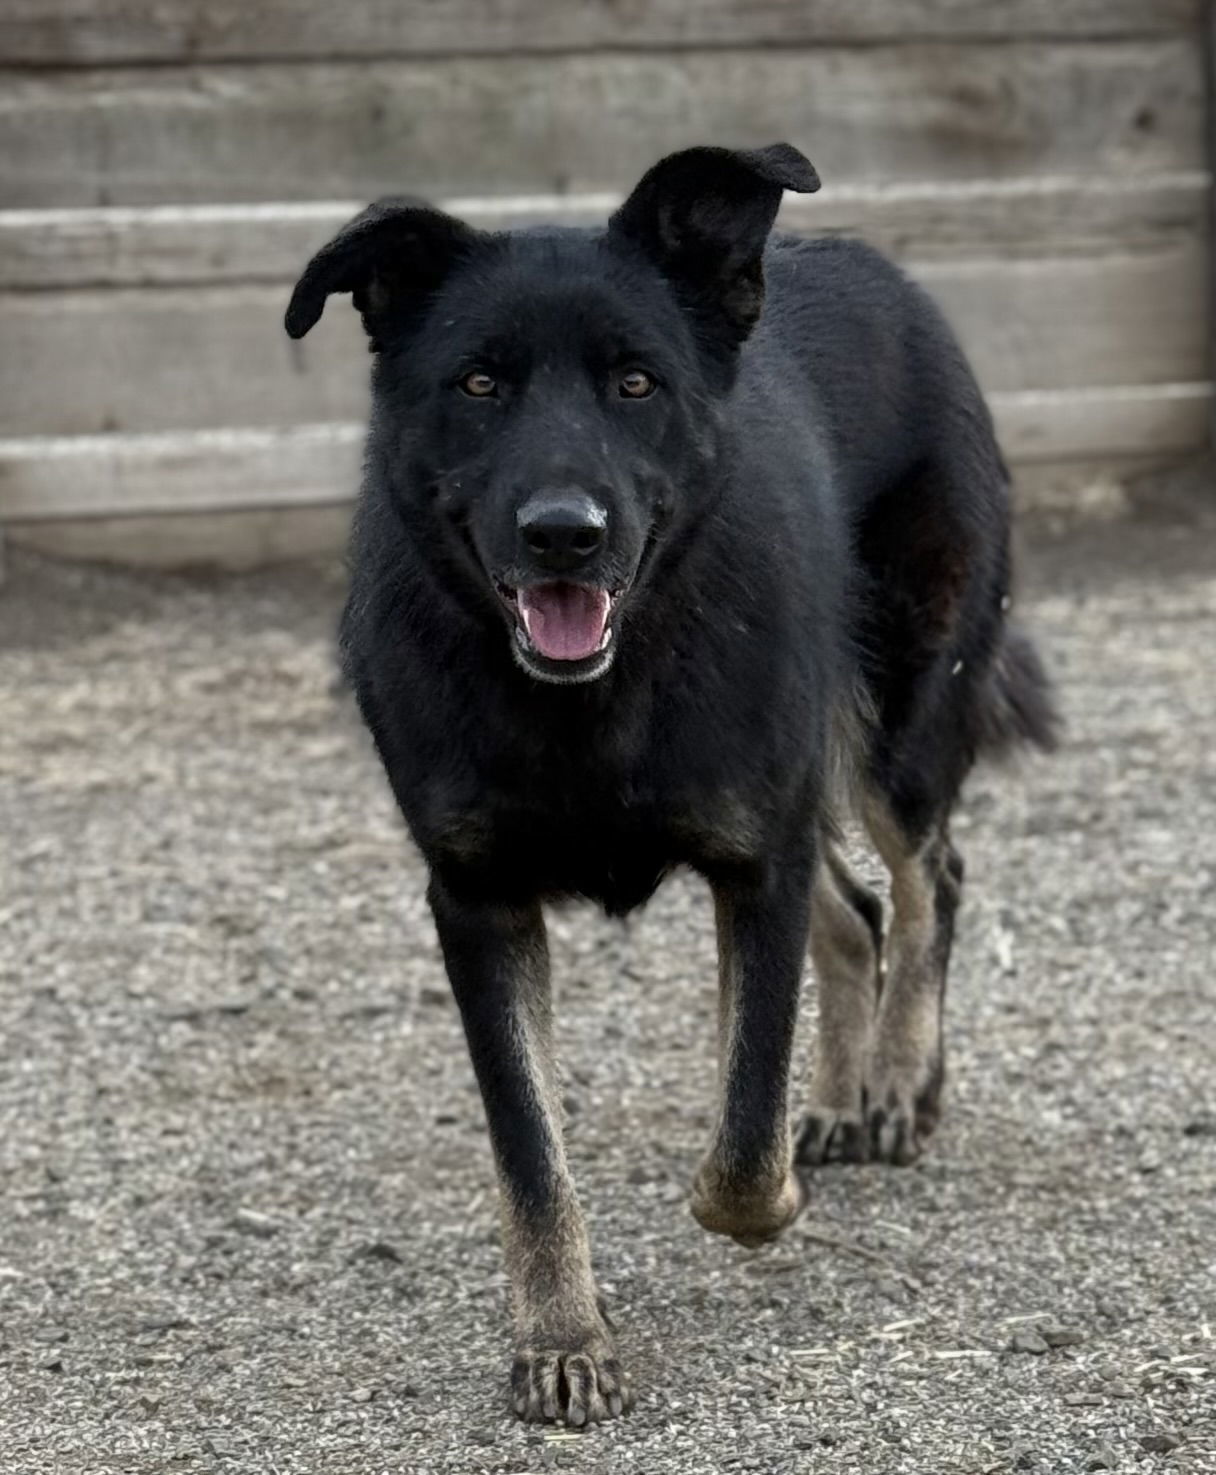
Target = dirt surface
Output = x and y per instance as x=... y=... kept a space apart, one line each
x=248 y=1218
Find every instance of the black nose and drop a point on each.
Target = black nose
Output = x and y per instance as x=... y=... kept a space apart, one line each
x=562 y=530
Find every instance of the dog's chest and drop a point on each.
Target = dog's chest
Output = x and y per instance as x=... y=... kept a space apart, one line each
x=613 y=844
x=601 y=807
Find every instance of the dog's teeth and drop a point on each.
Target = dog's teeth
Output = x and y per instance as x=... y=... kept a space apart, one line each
x=603 y=645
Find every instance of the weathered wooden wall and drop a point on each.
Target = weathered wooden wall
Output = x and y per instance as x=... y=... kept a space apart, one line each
x=166 y=167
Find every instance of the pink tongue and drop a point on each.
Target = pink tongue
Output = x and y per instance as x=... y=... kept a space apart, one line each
x=564 y=621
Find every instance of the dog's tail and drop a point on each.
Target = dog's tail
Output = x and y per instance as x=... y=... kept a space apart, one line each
x=1016 y=706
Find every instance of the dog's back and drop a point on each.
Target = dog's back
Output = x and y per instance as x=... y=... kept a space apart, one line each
x=925 y=490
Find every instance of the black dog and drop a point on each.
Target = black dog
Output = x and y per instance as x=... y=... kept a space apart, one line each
x=673 y=537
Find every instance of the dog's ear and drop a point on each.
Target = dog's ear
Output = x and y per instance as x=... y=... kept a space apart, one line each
x=395 y=248
x=703 y=216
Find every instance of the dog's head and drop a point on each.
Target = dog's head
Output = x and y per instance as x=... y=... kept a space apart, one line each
x=545 y=403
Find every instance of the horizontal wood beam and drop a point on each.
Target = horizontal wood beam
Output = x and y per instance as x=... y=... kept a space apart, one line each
x=578 y=122
x=158 y=245
x=177 y=471
x=180 y=357
x=89 y=32
x=45 y=478
x=1046 y=426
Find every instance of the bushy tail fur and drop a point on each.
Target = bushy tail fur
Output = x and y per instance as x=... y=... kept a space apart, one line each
x=1017 y=706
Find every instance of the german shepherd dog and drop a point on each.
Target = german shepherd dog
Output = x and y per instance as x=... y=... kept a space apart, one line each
x=673 y=536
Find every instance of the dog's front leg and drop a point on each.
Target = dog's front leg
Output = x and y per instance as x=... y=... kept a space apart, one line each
x=746 y=1187
x=497 y=959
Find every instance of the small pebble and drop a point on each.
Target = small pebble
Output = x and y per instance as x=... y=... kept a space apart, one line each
x=1159 y=1443
x=1026 y=1341
x=363 y=1395
x=159 y=1324
x=261 y=1226
x=1103 y=1458
x=235 y=1003
x=1061 y=1336
x=381 y=1250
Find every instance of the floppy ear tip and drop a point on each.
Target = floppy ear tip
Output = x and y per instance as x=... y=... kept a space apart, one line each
x=791 y=169
x=301 y=315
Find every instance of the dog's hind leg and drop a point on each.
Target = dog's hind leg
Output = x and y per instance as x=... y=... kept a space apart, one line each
x=846 y=948
x=907 y=1067
x=746 y=1187
x=497 y=959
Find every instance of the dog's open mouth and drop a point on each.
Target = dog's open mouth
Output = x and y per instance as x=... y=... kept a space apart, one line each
x=563 y=632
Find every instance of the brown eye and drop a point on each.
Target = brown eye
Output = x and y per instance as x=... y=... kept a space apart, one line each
x=479 y=385
x=636 y=385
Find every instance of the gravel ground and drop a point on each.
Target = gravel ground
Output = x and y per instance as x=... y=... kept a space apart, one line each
x=248 y=1219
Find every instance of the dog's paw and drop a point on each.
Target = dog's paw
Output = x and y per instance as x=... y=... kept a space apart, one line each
x=903 y=1110
x=828 y=1136
x=750 y=1218
x=549 y=1385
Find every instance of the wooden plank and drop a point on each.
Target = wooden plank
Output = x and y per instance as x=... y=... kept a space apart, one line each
x=1066 y=323
x=593 y=122
x=132 y=359
x=236 y=542
x=211 y=470
x=1042 y=427
x=1025 y=216
x=180 y=471
x=82 y=363
x=158 y=245
x=88 y=32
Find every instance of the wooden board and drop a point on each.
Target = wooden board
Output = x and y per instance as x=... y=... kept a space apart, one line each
x=1023 y=217
x=108 y=31
x=235 y=541
x=1078 y=322
x=81 y=363
x=132 y=359
x=184 y=471
x=590 y=122
x=210 y=470
x=1043 y=427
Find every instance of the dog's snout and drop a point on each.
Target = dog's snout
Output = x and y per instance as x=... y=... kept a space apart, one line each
x=561 y=531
